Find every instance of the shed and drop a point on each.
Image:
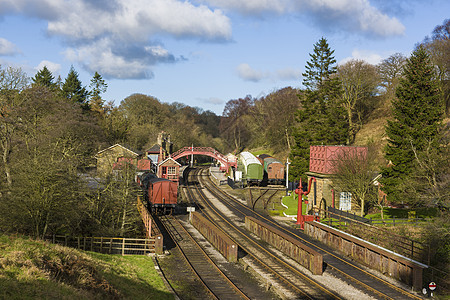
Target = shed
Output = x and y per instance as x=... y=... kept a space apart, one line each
x=169 y=169
x=321 y=166
x=107 y=158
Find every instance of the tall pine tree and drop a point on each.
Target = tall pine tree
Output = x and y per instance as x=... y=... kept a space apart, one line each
x=99 y=87
x=73 y=90
x=418 y=114
x=321 y=65
x=44 y=78
x=321 y=120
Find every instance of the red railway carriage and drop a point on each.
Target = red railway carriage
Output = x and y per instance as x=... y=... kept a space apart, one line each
x=162 y=194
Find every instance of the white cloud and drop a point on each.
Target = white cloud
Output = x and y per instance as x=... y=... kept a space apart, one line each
x=117 y=36
x=214 y=101
x=119 y=61
x=251 y=6
x=136 y=20
x=246 y=72
x=51 y=66
x=8 y=48
x=366 y=55
x=289 y=74
x=356 y=16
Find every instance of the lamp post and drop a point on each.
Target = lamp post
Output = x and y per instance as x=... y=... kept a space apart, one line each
x=192 y=156
x=287 y=176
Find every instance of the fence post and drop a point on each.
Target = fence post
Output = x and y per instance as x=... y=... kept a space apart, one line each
x=110 y=245
x=101 y=244
x=123 y=246
x=78 y=242
x=393 y=220
x=65 y=240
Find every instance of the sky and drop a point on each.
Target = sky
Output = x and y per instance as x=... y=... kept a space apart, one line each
x=203 y=53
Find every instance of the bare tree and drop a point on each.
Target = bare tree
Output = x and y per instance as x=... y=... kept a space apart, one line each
x=390 y=71
x=359 y=81
x=354 y=172
x=233 y=125
x=12 y=82
x=275 y=114
x=438 y=46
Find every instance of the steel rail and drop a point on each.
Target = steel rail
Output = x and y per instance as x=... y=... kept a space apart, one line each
x=291 y=268
x=189 y=263
x=212 y=262
x=404 y=292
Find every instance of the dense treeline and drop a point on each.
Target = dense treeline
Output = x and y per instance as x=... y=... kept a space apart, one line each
x=52 y=128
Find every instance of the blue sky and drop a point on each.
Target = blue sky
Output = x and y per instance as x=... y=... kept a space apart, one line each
x=204 y=52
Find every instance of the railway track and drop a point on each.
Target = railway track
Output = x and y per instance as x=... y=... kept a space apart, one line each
x=286 y=279
x=216 y=283
x=354 y=274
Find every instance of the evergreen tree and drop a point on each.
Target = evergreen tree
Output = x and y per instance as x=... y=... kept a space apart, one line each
x=321 y=120
x=418 y=114
x=44 y=78
x=321 y=65
x=99 y=87
x=72 y=89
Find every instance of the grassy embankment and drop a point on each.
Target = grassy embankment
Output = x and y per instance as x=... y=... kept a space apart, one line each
x=291 y=202
x=32 y=269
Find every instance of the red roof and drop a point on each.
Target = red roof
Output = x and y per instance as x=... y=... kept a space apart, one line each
x=322 y=158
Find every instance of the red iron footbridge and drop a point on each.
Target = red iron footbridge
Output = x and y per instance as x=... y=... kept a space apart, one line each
x=208 y=151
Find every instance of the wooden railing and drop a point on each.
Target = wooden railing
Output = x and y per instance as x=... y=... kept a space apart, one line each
x=107 y=245
x=152 y=230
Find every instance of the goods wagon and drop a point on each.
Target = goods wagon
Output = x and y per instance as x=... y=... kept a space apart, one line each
x=251 y=168
x=162 y=195
x=274 y=170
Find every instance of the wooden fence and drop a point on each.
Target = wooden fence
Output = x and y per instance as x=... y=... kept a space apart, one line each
x=107 y=245
x=352 y=216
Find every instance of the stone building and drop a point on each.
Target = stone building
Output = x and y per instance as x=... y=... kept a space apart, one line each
x=321 y=166
x=110 y=157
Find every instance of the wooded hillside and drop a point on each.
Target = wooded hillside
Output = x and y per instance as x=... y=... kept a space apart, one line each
x=52 y=128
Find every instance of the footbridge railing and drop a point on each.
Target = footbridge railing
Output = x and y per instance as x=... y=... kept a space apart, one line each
x=208 y=151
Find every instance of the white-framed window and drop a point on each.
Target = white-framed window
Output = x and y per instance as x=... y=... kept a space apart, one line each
x=345 y=201
x=171 y=170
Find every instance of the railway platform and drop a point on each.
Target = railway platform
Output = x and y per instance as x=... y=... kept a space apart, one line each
x=219 y=177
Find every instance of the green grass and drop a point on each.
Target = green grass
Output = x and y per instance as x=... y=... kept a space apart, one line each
x=258 y=152
x=403 y=213
x=292 y=203
x=38 y=270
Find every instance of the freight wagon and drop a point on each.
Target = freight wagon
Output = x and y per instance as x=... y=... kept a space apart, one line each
x=160 y=194
x=274 y=170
